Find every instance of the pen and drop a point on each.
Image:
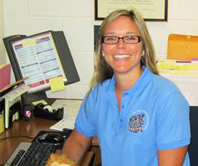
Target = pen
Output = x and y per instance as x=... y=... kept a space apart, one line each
x=183 y=61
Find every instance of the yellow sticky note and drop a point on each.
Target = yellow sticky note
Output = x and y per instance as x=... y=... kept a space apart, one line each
x=57 y=84
x=40 y=101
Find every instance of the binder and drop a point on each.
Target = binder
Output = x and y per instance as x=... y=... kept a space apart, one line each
x=4 y=75
x=8 y=119
x=11 y=98
x=2 y=110
x=2 y=128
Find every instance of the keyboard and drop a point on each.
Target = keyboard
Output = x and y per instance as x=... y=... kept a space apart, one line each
x=31 y=154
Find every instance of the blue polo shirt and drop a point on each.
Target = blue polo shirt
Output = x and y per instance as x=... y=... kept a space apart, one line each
x=153 y=116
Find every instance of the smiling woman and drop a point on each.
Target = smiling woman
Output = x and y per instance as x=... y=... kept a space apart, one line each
x=139 y=118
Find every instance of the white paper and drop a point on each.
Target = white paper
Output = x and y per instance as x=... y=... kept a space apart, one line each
x=71 y=108
x=62 y=124
x=16 y=92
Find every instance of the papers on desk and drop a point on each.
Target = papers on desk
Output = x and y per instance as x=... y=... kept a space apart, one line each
x=17 y=92
x=71 y=108
x=178 y=67
x=62 y=124
x=184 y=74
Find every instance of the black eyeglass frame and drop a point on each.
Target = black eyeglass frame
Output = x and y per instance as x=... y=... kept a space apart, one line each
x=123 y=39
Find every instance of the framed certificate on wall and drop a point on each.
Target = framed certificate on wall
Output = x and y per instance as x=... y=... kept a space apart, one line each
x=152 y=10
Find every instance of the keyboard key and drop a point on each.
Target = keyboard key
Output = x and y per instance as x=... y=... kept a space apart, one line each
x=31 y=154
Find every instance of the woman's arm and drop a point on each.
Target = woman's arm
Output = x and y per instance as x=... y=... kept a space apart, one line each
x=172 y=157
x=76 y=145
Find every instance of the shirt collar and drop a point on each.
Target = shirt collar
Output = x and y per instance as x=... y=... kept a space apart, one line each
x=142 y=82
x=138 y=87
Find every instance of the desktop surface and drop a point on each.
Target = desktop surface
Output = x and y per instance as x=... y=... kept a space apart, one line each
x=22 y=131
x=39 y=150
x=25 y=131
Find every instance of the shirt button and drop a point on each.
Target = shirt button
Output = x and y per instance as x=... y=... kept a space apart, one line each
x=122 y=106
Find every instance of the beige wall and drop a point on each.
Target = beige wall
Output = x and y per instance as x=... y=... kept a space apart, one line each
x=1 y=31
x=76 y=19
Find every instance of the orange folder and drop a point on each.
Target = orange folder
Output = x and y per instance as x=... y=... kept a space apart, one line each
x=184 y=47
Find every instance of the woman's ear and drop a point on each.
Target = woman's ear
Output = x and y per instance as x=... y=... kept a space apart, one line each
x=103 y=53
x=143 y=52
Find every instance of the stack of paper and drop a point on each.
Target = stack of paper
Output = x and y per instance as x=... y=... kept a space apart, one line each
x=184 y=74
x=178 y=67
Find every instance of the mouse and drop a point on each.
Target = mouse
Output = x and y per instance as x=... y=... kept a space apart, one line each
x=51 y=138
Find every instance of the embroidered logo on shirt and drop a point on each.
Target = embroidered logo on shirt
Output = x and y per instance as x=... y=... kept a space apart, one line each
x=139 y=121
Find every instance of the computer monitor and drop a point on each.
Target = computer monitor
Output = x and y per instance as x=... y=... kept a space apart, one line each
x=40 y=57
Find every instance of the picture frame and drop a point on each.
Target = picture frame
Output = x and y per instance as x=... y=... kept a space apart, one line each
x=151 y=10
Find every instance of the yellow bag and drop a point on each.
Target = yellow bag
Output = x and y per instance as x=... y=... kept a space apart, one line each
x=183 y=47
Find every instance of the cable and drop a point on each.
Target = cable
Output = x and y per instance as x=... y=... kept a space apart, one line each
x=1 y=139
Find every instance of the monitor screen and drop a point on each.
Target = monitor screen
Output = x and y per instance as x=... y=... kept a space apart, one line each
x=41 y=57
x=38 y=60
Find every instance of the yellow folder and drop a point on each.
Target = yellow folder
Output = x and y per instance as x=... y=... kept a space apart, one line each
x=184 y=47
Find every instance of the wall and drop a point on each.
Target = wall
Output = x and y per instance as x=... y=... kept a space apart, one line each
x=1 y=31
x=76 y=19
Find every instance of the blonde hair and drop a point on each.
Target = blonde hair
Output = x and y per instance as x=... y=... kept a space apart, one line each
x=102 y=70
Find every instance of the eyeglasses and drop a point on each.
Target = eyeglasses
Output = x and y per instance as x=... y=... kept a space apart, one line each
x=130 y=39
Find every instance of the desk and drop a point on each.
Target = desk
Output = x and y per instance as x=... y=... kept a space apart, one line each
x=30 y=129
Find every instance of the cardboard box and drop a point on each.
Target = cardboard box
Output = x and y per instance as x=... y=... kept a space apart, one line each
x=184 y=47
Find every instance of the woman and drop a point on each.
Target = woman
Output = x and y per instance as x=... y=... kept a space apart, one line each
x=140 y=118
